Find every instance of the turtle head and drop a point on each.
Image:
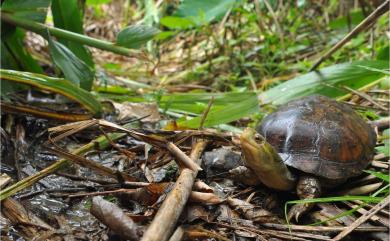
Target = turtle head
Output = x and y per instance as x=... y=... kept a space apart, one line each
x=265 y=162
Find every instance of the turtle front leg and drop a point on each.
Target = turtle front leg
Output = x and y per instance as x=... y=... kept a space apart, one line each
x=308 y=187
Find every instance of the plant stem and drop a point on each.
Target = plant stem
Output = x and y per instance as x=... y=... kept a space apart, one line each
x=43 y=30
x=382 y=9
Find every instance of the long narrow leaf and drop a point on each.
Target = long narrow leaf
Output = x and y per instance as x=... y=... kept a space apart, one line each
x=135 y=36
x=328 y=81
x=380 y=175
x=67 y=15
x=204 y=11
x=196 y=102
x=14 y=55
x=56 y=85
x=73 y=68
x=228 y=113
x=337 y=199
x=34 y=10
x=226 y=107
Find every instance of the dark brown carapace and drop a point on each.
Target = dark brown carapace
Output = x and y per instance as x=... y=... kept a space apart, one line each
x=320 y=136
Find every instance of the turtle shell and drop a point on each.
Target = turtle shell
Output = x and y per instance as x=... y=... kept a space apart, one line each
x=320 y=136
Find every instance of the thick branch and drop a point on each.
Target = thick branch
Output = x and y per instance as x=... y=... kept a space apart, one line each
x=165 y=220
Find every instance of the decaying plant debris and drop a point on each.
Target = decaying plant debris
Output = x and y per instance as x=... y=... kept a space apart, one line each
x=220 y=207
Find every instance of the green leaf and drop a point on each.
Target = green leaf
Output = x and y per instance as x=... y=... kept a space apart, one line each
x=230 y=112
x=136 y=35
x=379 y=175
x=173 y=22
x=337 y=199
x=383 y=53
x=328 y=81
x=383 y=149
x=342 y=22
x=34 y=10
x=204 y=11
x=164 y=35
x=226 y=107
x=73 y=68
x=56 y=85
x=197 y=102
x=14 y=55
x=97 y=2
x=386 y=141
x=67 y=15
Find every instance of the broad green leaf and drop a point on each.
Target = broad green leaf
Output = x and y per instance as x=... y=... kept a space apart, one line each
x=173 y=22
x=230 y=112
x=34 y=10
x=383 y=53
x=342 y=22
x=328 y=81
x=67 y=15
x=226 y=107
x=7 y=59
x=56 y=85
x=204 y=11
x=14 y=55
x=73 y=68
x=197 y=102
x=136 y=35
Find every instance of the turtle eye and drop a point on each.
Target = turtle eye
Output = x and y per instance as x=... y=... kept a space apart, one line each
x=259 y=137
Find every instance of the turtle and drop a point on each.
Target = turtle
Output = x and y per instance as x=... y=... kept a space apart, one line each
x=310 y=143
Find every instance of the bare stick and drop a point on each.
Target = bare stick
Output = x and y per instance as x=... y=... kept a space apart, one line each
x=178 y=235
x=165 y=220
x=182 y=158
x=381 y=123
x=382 y=9
x=367 y=97
x=362 y=219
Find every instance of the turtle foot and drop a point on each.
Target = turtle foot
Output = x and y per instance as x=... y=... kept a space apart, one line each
x=308 y=187
x=297 y=210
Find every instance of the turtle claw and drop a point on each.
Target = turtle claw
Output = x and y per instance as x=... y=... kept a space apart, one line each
x=296 y=211
x=308 y=187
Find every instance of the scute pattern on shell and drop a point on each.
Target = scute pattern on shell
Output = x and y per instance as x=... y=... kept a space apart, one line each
x=318 y=135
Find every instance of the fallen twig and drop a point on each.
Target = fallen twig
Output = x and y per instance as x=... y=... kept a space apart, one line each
x=363 y=219
x=367 y=97
x=165 y=220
